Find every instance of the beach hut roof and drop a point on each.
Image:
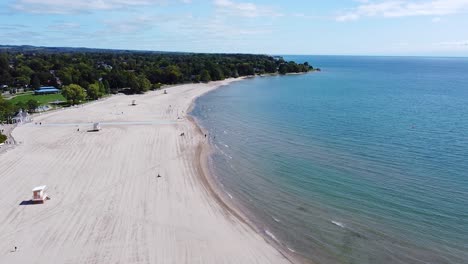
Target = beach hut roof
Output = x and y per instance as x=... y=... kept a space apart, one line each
x=39 y=188
x=47 y=90
x=46 y=87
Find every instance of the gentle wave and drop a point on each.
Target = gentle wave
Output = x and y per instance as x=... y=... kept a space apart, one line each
x=338 y=224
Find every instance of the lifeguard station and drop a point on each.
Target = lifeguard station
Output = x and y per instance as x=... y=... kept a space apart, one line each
x=96 y=127
x=39 y=195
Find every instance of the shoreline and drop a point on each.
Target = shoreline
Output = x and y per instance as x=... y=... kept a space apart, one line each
x=214 y=188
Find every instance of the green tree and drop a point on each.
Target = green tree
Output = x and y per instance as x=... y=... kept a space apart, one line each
x=74 y=93
x=94 y=91
x=5 y=77
x=21 y=105
x=172 y=74
x=143 y=84
x=3 y=138
x=133 y=82
x=205 y=76
x=156 y=86
x=102 y=88
x=283 y=68
x=106 y=87
x=32 y=105
x=7 y=110
x=217 y=74
x=23 y=75
x=35 y=82
x=23 y=80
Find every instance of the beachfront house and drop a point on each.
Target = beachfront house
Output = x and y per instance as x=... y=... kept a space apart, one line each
x=46 y=90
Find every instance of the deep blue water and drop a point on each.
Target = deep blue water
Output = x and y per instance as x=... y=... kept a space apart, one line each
x=364 y=162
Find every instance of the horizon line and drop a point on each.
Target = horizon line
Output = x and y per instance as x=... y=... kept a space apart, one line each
x=250 y=53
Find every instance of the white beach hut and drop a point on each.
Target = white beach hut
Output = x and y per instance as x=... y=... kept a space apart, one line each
x=39 y=195
x=96 y=127
x=134 y=102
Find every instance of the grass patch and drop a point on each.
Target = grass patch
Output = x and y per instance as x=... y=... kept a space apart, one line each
x=41 y=99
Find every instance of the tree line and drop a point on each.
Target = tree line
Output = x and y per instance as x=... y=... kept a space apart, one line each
x=93 y=74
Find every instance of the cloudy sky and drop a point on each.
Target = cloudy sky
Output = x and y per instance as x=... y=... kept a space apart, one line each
x=355 y=27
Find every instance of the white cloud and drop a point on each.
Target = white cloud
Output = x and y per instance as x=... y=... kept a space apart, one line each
x=461 y=43
x=64 y=26
x=400 y=8
x=130 y=26
x=244 y=9
x=74 y=6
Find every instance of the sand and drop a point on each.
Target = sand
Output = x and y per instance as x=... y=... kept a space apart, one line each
x=107 y=203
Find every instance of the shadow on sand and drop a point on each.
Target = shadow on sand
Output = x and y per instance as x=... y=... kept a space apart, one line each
x=28 y=202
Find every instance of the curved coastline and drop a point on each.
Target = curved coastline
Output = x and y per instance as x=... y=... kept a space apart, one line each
x=213 y=187
x=163 y=222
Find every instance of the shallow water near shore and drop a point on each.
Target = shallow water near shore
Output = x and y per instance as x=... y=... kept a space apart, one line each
x=364 y=162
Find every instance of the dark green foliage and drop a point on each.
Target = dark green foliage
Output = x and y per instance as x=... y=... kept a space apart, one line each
x=292 y=67
x=7 y=110
x=5 y=77
x=74 y=93
x=156 y=86
x=21 y=105
x=94 y=92
x=32 y=105
x=205 y=76
x=3 y=138
x=118 y=70
x=35 y=82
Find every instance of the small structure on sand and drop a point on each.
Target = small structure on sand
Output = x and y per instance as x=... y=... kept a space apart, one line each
x=96 y=127
x=134 y=102
x=165 y=92
x=39 y=195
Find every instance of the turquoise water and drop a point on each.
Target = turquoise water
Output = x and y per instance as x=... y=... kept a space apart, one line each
x=364 y=162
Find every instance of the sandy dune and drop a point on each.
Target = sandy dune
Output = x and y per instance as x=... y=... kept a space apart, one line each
x=107 y=205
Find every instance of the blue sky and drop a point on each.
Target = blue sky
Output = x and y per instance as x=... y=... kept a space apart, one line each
x=353 y=27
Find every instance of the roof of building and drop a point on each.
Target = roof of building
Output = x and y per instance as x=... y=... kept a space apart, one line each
x=46 y=87
x=39 y=188
x=21 y=115
x=47 y=90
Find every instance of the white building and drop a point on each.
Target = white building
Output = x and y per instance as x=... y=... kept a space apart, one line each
x=21 y=117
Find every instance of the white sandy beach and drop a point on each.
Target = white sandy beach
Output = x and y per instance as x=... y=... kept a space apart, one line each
x=107 y=205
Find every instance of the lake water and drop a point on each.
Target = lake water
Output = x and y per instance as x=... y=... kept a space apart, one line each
x=364 y=162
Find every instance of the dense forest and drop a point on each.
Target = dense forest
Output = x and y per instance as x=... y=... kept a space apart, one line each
x=94 y=73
